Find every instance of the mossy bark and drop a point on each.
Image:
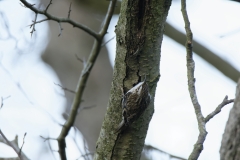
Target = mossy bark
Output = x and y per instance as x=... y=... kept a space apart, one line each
x=139 y=35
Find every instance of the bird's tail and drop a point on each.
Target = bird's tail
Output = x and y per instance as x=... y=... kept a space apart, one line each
x=121 y=127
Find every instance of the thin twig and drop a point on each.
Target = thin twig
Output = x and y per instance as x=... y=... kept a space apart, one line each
x=15 y=141
x=50 y=148
x=81 y=60
x=50 y=2
x=82 y=81
x=78 y=58
x=80 y=109
x=46 y=139
x=2 y=100
x=65 y=89
x=218 y=109
x=86 y=107
x=198 y=147
x=33 y=25
x=61 y=20
x=60 y=29
x=38 y=22
x=70 y=9
x=14 y=146
x=20 y=151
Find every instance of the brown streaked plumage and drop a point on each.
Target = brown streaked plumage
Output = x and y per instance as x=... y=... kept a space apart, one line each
x=134 y=103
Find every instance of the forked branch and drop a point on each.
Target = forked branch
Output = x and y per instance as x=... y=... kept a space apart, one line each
x=14 y=145
x=87 y=66
x=59 y=20
x=198 y=147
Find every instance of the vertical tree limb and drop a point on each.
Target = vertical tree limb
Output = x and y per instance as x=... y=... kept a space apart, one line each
x=14 y=145
x=139 y=36
x=198 y=147
x=82 y=82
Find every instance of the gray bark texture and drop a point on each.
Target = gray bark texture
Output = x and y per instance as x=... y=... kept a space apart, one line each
x=139 y=35
x=230 y=147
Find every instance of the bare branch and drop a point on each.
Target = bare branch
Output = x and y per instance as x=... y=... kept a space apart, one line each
x=13 y=145
x=198 y=147
x=81 y=60
x=218 y=109
x=86 y=107
x=46 y=139
x=20 y=151
x=80 y=109
x=82 y=81
x=60 y=29
x=38 y=22
x=108 y=18
x=48 y=6
x=3 y=99
x=25 y=6
x=65 y=89
x=33 y=25
x=15 y=141
x=60 y=20
x=50 y=148
x=70 y=9
x=78 y=58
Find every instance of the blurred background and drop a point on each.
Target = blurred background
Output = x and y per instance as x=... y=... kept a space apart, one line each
x=33 y=67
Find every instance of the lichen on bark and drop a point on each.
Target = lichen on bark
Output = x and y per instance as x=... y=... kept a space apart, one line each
x=139 y=35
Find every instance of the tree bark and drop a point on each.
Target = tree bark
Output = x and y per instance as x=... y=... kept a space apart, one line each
x=139 y=35
x=230 y=147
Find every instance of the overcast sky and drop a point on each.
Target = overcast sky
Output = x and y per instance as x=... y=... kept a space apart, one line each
x=215 y=23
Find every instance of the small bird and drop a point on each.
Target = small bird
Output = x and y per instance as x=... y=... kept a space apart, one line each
x=134 y=103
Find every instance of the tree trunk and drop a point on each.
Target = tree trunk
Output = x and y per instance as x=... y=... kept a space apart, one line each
x=139 y=35
x=230 y=148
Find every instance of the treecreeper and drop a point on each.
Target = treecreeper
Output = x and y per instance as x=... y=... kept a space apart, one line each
x=134 y=103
